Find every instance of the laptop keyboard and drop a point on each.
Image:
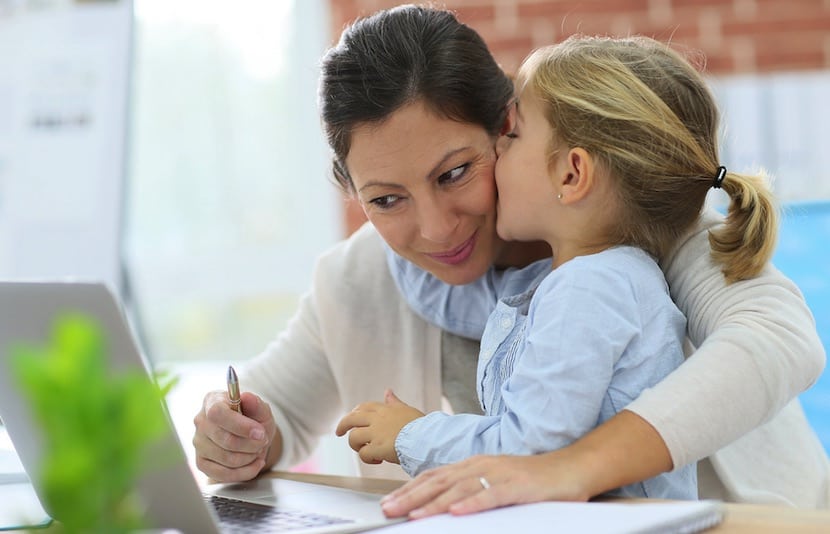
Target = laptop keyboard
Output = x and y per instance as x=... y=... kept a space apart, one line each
x=240 y=516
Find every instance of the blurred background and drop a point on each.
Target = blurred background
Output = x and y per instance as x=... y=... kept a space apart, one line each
x=227 y=160
x=226 y=196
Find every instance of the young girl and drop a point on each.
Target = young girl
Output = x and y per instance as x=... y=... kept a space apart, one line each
x=609 y=160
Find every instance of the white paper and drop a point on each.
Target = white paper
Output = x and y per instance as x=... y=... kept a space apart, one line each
x=595 y=517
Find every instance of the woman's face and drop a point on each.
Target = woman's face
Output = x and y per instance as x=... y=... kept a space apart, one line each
x=426 y=183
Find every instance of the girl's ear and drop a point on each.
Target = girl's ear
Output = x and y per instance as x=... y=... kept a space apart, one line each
x=575 y=175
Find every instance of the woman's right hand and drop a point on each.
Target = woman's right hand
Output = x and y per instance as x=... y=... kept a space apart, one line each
x=230 y=446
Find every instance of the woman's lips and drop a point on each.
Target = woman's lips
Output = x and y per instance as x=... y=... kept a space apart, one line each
x=458 y=254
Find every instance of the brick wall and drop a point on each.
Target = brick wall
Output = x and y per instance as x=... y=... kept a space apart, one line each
x=736 y=36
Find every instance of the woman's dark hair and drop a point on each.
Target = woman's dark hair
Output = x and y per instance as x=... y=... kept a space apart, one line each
x=402 y=55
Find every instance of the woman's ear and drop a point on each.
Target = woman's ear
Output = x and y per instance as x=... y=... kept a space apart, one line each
x=575 y=175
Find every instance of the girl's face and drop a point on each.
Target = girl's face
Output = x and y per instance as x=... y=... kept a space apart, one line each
x=426 y=183
x=526 y=195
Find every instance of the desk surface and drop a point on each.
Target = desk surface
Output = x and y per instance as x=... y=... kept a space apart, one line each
x=738 y=518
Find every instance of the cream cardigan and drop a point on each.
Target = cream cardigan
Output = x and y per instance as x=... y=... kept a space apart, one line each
x=353 y=336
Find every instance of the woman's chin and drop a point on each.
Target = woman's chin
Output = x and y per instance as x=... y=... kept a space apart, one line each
x=458 y=275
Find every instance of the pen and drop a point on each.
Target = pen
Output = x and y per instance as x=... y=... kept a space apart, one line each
x=233 y=390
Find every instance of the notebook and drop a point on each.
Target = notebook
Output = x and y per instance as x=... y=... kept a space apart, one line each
x=172 y=497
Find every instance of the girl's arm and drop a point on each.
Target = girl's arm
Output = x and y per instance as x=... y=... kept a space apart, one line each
x=556 y=390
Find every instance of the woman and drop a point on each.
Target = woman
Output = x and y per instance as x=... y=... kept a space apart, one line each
x=353 y=335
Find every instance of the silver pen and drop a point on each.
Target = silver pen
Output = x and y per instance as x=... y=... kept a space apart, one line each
x=233 y=390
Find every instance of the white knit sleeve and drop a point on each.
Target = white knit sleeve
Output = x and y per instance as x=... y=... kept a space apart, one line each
x=757 y=348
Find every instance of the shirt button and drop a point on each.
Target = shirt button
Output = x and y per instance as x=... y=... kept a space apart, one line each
x=487 y=353
x=506 y=322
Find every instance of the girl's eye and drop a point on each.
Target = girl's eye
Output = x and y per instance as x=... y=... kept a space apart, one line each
x=511 y=135
x=385 y=202
x=453 y=175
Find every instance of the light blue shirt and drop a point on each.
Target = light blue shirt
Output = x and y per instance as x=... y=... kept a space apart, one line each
x=561 y=352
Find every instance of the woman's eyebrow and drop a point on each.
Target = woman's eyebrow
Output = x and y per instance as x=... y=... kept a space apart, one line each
x=435 y=170
x=449 y=155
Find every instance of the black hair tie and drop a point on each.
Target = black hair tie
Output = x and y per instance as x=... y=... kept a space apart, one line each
x=719 y=178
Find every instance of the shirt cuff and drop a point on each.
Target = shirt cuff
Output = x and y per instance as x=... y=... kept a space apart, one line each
x=404 y=444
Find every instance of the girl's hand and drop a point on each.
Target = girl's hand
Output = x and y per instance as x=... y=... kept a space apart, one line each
x=374 y=426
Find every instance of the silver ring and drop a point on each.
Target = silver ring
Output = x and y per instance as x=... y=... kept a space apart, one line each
x=484 y=483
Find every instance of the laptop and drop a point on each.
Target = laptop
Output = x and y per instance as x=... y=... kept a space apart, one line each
x=172 y=498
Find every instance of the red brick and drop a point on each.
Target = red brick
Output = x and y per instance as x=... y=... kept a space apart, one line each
x=564 y=7
x=697 y=4
x=472 y=14
x=719 y=64
x=763 y=27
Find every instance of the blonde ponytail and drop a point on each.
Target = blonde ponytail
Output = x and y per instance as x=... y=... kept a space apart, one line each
x=745 y=243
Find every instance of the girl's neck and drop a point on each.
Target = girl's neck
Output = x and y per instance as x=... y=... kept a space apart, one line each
x=520 y=254
x=568 y=251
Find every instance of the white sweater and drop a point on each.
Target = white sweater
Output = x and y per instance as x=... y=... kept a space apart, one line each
x=353 y=336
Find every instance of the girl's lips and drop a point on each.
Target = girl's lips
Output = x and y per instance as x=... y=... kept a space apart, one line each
x=458 y=254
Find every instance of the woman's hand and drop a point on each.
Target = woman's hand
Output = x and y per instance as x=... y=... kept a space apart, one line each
x=485 y=482
x=373 y=427
x=230 y=446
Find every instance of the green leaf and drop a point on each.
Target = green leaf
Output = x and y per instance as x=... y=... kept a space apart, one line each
x=97 y=427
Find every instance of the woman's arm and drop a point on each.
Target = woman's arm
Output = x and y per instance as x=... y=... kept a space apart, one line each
x=623 y=450
x=757 y=349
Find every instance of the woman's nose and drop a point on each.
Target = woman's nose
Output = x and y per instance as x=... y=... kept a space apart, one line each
x=438 y=221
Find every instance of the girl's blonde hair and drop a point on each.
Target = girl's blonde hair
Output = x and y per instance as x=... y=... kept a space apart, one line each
x=649 y=118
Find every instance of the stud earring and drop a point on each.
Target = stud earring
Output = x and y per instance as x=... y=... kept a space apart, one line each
x=559 y=196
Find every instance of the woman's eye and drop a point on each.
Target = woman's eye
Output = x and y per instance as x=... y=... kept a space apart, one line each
x=511 y=135
x=453 y=175
x=385 y=202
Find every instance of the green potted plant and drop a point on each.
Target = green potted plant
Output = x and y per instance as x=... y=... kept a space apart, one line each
x=96 y=426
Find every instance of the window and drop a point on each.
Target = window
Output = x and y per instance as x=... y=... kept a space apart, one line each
x=779 y=122
x=229 y=194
